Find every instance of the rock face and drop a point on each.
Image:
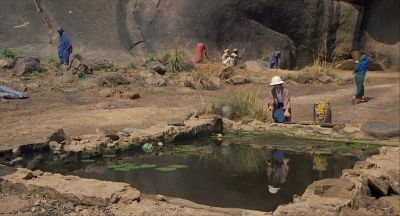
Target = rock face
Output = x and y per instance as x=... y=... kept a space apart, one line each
x=298 y=28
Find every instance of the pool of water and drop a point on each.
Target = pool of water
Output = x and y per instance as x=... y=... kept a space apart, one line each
x=218 y=174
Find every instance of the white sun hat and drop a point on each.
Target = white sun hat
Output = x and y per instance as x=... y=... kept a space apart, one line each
x=272 y=189
x=276 y=81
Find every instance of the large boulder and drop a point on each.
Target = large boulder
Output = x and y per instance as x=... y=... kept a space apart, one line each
x=346 y=65
x=28 y=65
x=381 y=130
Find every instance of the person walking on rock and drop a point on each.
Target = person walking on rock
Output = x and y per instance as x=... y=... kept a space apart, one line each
x=279 y=101
x=201 y=51
x=274 y=60
x=64 y=48
x=360 y=70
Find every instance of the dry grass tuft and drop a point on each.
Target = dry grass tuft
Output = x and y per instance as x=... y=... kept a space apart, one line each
x=244 y=102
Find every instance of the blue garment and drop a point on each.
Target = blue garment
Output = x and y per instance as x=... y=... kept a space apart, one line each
x=274 y=60
x=362 y=66
x=64 y=48
x=278 y=114
x=278 y=156
x=360 y=71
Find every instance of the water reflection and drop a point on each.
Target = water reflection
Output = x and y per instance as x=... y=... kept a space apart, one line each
x=224 y=176
x=277 y=171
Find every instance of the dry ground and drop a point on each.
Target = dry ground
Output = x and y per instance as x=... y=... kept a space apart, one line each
x=81 y=110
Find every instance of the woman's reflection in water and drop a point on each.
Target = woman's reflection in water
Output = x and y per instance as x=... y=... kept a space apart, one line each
x=277 y=171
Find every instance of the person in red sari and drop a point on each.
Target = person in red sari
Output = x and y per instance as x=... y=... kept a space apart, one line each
x=201 y=51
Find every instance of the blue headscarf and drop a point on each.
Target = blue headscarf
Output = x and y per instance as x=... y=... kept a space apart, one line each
x=362 y=65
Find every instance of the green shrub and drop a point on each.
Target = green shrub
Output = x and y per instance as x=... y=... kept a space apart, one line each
x=176 y=62
x=242 y=66
x=131 y=66
x=105 y=66
x=153 y=58
x=80 y=74
x=9 y=53
x=53 y=62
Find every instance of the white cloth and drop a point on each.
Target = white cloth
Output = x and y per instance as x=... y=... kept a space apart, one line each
x=229 y=61
x=279 y=96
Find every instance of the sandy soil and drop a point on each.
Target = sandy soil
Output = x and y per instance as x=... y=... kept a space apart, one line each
x=81 y=110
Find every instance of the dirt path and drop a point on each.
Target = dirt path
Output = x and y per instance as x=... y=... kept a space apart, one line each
x=82 y=110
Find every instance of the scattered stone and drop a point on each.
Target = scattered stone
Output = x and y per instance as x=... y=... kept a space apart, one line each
x=176 y=122
x=213 y=83
x=114 y=79
x=58 y=136
x=375 y=66
x=324 y=79
x=27 y=176
x=78 y=63
x=157 y=67
x=132 y=95
x=237 y=80
x=115 y=198
x=160 y=197
x=19 y=161
x=55 y=146
x=156 y=80
x=392 y=202
x=346 y=65
x=122 y=70
x=346 y=211
x=106 y=92
x=227 y=72
x=112 y=135
x=378 y=185
x=24 y=66
x=381 y=130
x=247 y=128
x=7 y=63
x=303 y=79
x=32 y=86
x=351 y=130
x=345 y=81
x=68 y=206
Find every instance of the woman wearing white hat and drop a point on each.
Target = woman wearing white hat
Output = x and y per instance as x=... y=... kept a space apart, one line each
x=279 y=101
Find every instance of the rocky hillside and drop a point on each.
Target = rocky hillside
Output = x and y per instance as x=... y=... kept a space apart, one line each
x=126 y=29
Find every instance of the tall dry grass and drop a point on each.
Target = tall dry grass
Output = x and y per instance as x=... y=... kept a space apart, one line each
x=245 y=103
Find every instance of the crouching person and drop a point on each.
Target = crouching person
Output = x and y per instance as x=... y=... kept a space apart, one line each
x=279 y=101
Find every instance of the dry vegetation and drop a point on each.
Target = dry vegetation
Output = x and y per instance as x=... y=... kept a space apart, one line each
x=244 y=102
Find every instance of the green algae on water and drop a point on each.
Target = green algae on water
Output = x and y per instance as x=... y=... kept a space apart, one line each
x=88 y=160
x=166 y=169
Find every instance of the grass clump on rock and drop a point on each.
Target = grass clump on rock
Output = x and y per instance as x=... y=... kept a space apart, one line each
x=9 y=53
x=105 y=66
x=243 y=102
x=53 y=62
